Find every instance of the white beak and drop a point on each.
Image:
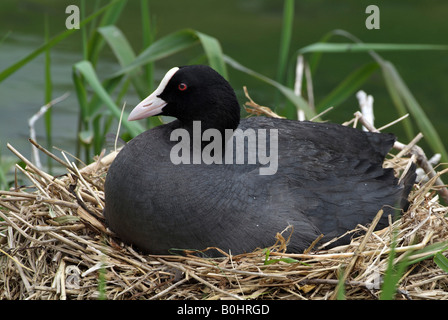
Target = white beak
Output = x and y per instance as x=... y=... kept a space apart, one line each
x=152 y=105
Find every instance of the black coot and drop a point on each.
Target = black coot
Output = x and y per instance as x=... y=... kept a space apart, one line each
x=321 y=178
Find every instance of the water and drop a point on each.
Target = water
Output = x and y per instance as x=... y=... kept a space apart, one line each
x=22 y=96
x=248 y=32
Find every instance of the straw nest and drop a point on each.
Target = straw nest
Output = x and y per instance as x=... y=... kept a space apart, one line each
x=55 y=245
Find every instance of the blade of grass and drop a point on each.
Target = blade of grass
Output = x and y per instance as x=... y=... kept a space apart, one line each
x=340 y=293
x=213 y=51
x=98 y=137
x=365 y=47
x=125 y=56
x=393 y=272
x=92 y=43
x=285 y=40
x=6 y=163
x=48 y=95
x=148 y=39
x=391 y=281
x=102 y=282
x=441 y=261
x=268 y=261
x=118 y=43
x=81 y=94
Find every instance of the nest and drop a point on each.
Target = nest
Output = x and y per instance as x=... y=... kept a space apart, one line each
x=55 y=245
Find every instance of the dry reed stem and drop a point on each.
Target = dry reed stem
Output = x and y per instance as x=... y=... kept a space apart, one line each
x=54 y=244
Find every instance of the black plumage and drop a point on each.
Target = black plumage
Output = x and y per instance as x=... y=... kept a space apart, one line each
x=328 y=179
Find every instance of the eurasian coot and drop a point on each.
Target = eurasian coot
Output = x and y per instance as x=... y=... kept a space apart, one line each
x=244 y=180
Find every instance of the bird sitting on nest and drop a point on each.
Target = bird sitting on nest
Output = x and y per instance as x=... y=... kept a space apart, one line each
x=165 y=190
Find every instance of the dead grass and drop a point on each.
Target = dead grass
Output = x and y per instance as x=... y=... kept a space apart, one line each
x=54 y=245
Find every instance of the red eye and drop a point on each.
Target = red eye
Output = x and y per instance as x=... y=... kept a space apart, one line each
x=182 y=86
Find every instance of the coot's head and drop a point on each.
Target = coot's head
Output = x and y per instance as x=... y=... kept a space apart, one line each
x=192 y=93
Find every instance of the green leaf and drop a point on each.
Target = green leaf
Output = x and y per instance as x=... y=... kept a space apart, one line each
x=118 y=43
x=125 y=56
x=66 y=219
x=285 y=40
x=268 y=261
x=213 y=51
x=365 y=47
x=267 y=252
x=340 y=294
x=48 y=117
x=81 y=94
x=441 y=261
x=393 y=273
x=287 y=260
